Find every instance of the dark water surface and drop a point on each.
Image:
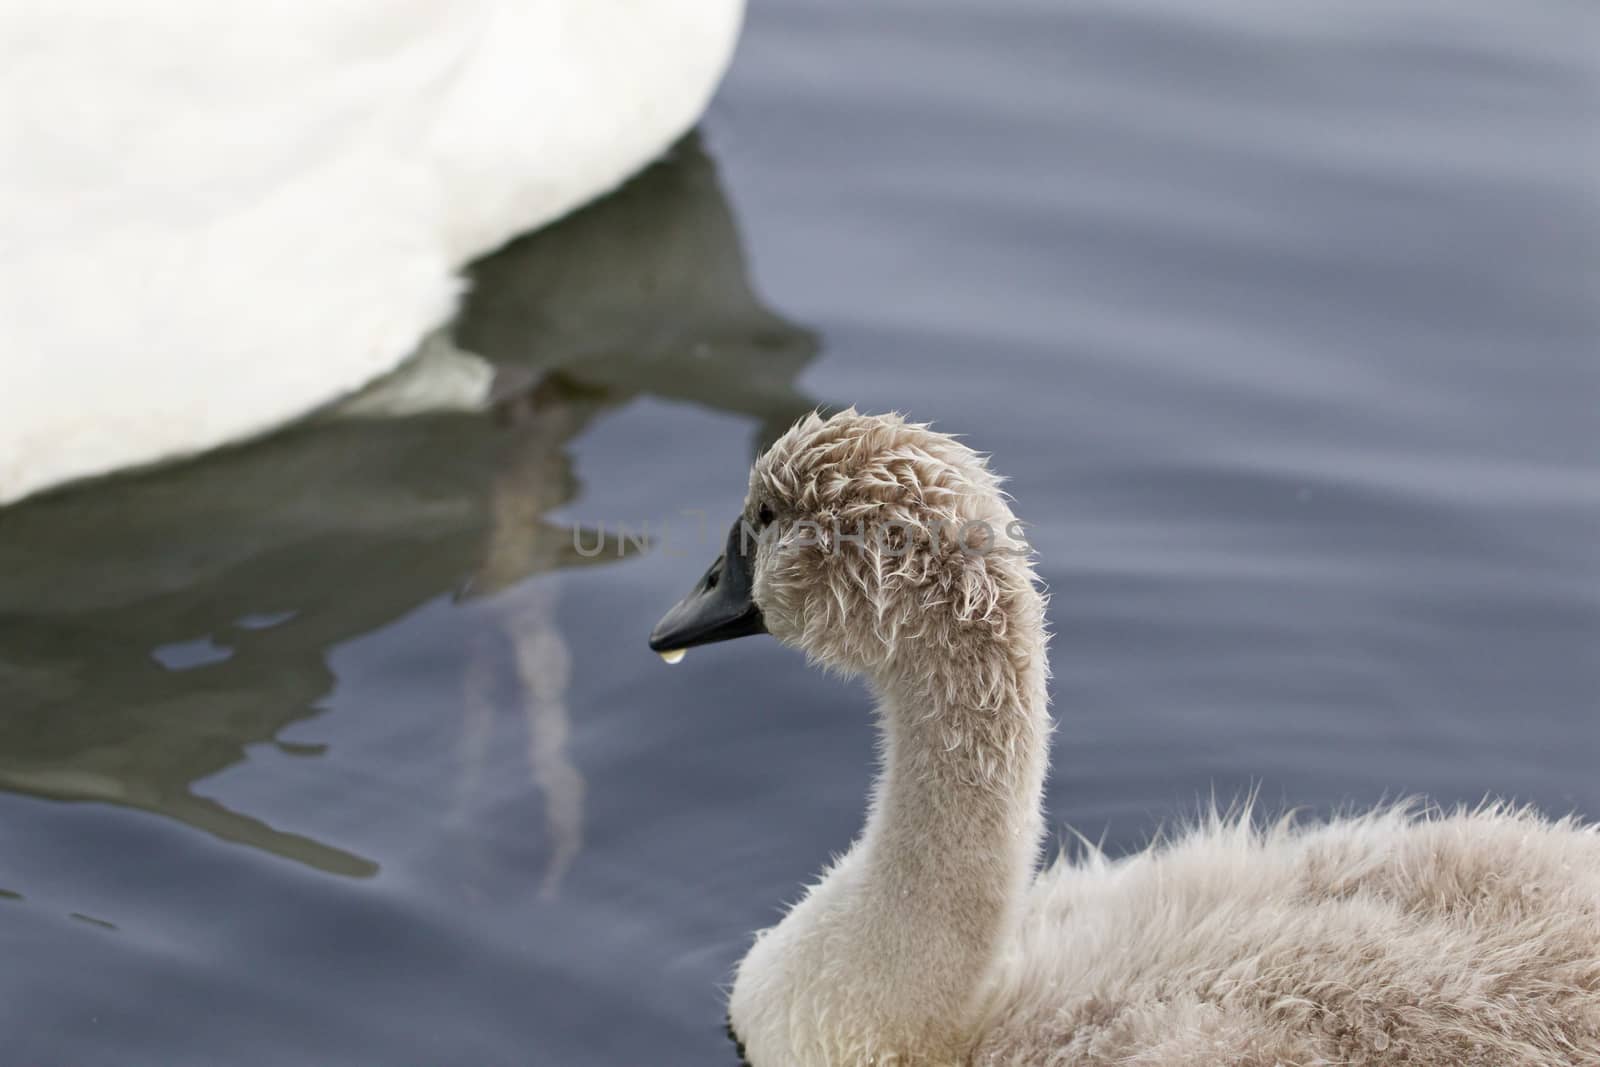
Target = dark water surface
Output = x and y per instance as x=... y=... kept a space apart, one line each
x=1282 y=317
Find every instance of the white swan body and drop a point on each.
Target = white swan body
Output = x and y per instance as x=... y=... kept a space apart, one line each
x=217 y=218
x=1470 y=939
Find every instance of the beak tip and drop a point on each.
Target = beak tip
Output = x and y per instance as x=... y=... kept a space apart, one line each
x=672 y=631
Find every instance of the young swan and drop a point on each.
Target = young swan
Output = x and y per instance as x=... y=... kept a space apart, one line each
x=1469 y=939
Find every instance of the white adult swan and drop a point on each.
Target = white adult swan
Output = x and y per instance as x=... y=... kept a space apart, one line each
x=217 y=217
x=1468 y=939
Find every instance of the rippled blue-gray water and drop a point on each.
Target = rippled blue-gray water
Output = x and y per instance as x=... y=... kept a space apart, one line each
x=1282 y=317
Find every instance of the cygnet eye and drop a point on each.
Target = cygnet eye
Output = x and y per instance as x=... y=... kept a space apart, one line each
x=764 y=516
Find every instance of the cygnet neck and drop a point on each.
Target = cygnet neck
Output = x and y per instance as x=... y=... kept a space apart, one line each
x=952 y=835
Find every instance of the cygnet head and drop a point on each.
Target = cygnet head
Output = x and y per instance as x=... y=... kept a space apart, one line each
x=876 y=546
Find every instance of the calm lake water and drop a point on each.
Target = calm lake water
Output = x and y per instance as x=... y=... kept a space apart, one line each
x=1282 y=317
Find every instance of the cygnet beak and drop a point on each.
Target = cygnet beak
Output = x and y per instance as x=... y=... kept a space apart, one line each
x=718 y=608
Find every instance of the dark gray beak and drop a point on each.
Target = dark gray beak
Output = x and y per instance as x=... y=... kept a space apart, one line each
x=719 y=607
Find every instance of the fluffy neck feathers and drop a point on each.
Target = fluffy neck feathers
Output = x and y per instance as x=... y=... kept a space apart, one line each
x=882 y=961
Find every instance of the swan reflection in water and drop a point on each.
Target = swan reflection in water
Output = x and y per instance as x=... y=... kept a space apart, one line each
x=154 y=627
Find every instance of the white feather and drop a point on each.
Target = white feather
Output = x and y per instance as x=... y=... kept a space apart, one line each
x=215 y=218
